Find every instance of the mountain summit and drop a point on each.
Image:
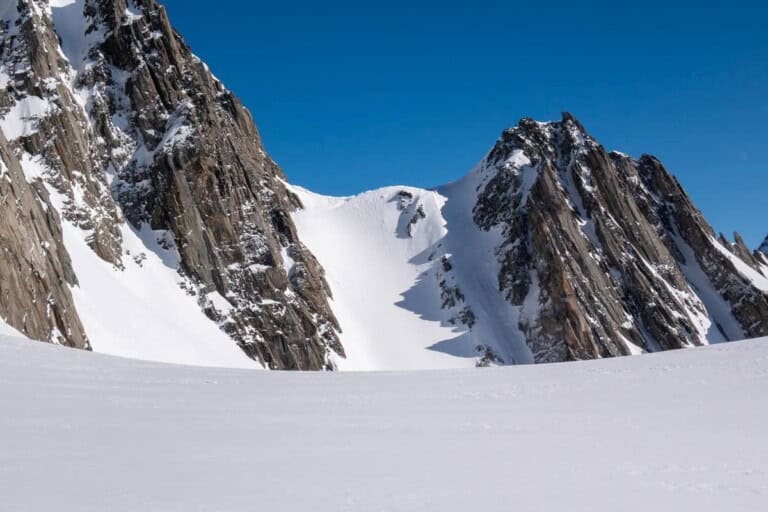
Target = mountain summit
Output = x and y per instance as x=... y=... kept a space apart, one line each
x=141 y=216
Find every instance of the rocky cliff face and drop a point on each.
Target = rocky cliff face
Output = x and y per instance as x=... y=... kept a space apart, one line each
x=617 y=255
x=35 y=269
x=108 y=112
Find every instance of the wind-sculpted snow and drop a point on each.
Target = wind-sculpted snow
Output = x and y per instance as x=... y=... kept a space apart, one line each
x=680 y=430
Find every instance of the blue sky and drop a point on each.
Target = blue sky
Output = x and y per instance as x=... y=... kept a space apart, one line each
x=351 y=96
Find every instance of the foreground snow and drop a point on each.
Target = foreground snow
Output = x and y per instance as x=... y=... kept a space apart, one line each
x=680 y=430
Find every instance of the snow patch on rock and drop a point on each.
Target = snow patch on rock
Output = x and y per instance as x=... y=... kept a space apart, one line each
x=23 y=117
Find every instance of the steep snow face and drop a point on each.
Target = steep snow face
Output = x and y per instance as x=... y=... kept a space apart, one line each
x=141 y=311
x=72 y=27
x=413 y=279
x=379 y=251
x=496 y=330
x=680 y=430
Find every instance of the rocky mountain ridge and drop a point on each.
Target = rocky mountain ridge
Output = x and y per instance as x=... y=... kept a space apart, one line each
x=120 y=150
x=620 y=254
x=109 y=113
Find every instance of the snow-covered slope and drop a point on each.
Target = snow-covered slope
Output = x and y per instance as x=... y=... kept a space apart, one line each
x=374 y=269
x=7 y=330
x=141 y=310
x=394 y=267
x=680 y=430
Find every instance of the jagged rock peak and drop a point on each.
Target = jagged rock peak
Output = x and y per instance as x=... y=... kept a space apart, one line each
x=108 y=112
x=764 y=247
x=611 y=247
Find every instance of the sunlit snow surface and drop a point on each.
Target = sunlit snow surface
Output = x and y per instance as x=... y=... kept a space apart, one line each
x=140 y=311
x=373 y=268
x=683 y=430
x=386 y=282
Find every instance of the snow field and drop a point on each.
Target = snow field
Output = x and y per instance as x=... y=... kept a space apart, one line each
x=682 y=430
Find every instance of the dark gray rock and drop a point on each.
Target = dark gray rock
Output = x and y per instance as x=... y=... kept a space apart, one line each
x=605 y=238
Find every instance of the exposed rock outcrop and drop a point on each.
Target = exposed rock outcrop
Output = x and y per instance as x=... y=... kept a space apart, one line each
x=109 y=108
x=35 y=270
x=619 y=256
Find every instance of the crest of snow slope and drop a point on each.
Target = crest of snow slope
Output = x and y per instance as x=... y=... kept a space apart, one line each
x=124 y=435
x=7 y=330
x=140 y=311
x=389 y=286
x=71 y=26
x=370 y=263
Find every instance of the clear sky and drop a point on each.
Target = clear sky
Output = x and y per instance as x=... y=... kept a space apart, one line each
x=351 y=96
